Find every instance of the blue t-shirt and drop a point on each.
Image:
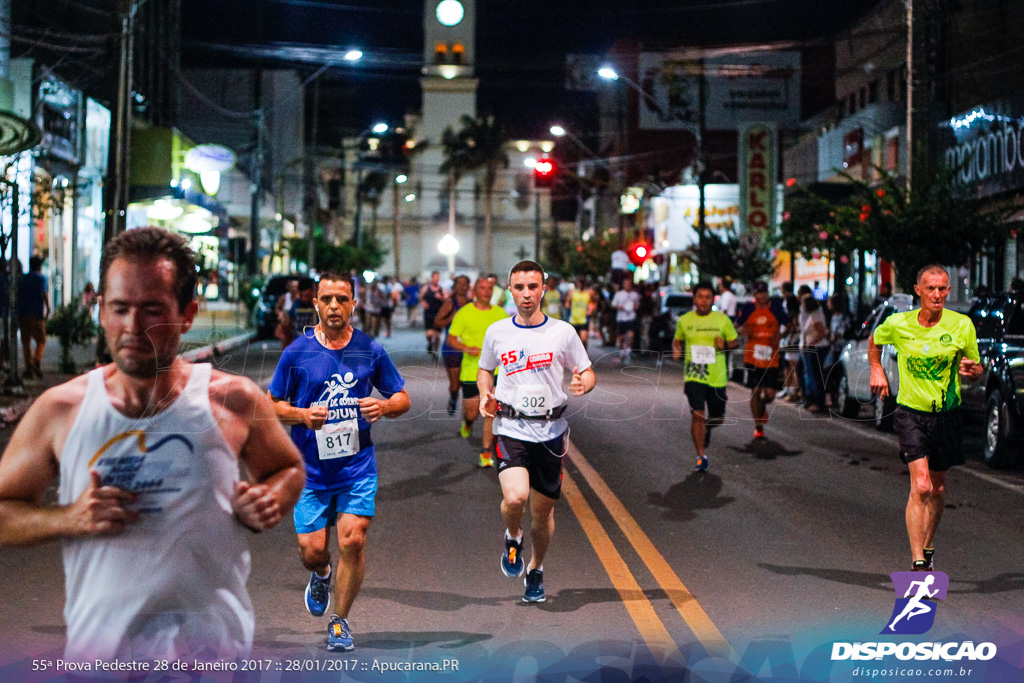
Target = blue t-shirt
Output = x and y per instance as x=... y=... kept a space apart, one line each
x=308 y=373
x=31 y=300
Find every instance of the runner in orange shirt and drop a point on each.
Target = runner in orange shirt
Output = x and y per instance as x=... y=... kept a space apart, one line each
x=762 y=327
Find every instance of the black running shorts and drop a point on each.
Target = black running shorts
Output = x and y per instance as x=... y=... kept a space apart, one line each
x=470 y=390
x=543 y=461
x=700 y=395
x=935 y=436
x=762 y=378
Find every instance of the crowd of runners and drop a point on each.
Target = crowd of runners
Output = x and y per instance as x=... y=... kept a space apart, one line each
x=118 y=436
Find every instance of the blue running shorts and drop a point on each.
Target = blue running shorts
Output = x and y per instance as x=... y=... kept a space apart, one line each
x=316 y=509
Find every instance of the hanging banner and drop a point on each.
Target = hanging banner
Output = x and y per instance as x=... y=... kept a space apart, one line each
x=758 y=168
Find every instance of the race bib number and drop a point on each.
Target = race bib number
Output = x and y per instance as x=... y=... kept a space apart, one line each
x=762 y=352
x=702 y=355
x=338 y=439
x=533 y=399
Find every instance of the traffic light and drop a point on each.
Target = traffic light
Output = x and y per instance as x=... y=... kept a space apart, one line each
x=639 y=252
x=544 y=172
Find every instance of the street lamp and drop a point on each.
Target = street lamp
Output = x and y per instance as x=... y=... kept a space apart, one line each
x=449 y=246
x=380 y=128
x=610 y=74
x=353 y=55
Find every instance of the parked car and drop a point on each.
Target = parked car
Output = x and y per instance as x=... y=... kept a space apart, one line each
x=669 y=305
x=264 y=314
x=996 y=395
x=853 y=386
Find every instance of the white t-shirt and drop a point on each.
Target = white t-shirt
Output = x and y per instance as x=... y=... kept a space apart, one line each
x=727 y=303
x=532 y=362
x=620 y=260
x=806 y=323
x=625 y=303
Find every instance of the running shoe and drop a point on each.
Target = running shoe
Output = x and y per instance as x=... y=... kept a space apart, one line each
x=339 y=635
x=512 y=564
x=929 y=553
x=486 y=460
x=759 y=432
x=465 y=431
x=534 y=583
x=452 y=402
x=702 y=464
x=920 y=566
x=318 y=594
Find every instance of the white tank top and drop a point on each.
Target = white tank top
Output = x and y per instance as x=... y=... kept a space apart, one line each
x=172 y=586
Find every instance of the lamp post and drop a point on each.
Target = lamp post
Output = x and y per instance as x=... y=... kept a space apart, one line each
x=610 y=74
x=560 y=131
x=378 y=129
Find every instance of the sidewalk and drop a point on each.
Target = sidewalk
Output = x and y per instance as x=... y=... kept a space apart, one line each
x=220 y=326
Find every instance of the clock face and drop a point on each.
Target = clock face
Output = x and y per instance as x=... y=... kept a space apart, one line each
x=450 y=12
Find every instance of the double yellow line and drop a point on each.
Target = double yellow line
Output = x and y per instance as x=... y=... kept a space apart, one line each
x=650 y=626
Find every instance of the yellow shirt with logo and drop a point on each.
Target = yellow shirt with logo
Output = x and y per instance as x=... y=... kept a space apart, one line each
x=929 y=357
x=704 y=362
x=553 y=304
x=579 y=302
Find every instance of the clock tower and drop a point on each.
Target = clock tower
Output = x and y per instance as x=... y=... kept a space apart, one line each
x=449 y=55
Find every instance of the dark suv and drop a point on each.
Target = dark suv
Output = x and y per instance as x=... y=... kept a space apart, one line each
x=997 y=394
x=264 y=315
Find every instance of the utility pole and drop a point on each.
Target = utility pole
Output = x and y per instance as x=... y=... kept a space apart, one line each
x=309 y=179
x=255 y=186
x=702 y=157
x=396 y=237
x=118 y=161
x=536 y=226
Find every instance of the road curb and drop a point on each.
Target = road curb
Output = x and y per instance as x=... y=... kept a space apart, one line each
x=12 y=413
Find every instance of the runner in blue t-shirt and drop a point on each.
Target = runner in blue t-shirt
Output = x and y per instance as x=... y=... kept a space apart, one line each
x=322 y=387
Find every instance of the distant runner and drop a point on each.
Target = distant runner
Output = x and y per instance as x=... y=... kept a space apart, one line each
x=761 y=326
x=707 y=335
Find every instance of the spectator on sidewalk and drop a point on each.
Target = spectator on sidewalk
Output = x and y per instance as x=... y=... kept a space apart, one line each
x=33 y=308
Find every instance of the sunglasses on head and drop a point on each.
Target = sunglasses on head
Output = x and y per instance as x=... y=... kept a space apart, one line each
x=340 y=298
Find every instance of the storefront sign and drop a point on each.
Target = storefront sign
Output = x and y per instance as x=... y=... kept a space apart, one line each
x=675 y=214
x=758 y=159
x=210 y=158
x=985 y=146
x=59 y=111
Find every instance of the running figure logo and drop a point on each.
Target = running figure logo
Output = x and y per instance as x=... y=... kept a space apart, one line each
x=336 y=386
x=914 y=613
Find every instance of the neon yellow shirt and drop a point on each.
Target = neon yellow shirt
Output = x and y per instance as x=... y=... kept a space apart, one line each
x=553 y=304
x=469 y=325
x=579 y=302
x=929 y=357
x=704 y=362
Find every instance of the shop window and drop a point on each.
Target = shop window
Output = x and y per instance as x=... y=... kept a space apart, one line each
x=840 y=108
x=863 y=99
x=892 y=153
x=891 y=79
x=853 y=103
x=872 y=92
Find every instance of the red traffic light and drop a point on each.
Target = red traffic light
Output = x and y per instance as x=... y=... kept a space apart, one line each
x=544 y=172
x=639 y=252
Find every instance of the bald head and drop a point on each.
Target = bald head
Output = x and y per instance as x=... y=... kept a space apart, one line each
x=933 y=269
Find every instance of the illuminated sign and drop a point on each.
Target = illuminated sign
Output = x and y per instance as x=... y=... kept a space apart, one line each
x=985 y=146
x=758 y=164
x=210 y=158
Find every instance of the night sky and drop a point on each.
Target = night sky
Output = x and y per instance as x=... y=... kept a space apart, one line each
x=521 y=44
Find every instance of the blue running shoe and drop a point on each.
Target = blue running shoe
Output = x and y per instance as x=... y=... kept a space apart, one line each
x=339 y=635
x=512 y=564
x=318 y=594
x=702 y=464
x=534 y=582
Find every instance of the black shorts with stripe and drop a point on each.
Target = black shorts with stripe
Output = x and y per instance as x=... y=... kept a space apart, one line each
x=543 y=461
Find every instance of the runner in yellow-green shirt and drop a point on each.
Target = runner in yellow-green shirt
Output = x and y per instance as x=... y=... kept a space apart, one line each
x=580 y=304
x=552 y=302
x=706 y=336
x=935 y=347
x=466 y=334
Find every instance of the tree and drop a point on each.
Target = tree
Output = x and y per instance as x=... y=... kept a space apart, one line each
x=345 y=257
x=456 y=164
x=722 y=253
x=941 y=222
x=371 y=191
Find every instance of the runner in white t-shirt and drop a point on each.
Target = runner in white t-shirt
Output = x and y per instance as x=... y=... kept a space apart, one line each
x=531 y=352
x=626 y=303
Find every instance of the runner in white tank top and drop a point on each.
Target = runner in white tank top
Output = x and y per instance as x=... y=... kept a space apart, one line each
x=151 y=510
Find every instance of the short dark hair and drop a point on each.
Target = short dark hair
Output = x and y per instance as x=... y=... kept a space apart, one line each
x=338 y=277
x=144 y=244
x=526 y=266
x=306 y=283
x=35 y=263
x=703 y=284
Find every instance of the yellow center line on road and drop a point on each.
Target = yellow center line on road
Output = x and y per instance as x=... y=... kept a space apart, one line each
x=692 y=613
x=651 y=628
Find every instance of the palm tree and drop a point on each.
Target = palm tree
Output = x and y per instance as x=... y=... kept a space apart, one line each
x=371 y=190
x=485 y=142
x=456 y=164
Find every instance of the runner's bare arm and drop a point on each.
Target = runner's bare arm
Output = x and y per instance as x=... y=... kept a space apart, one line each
x=313 y=417
x=29 y=465
x=274 y=463
x=485 y=383
x=374 y=409
x=582 y=382
x=677 y=348
x=457 y=344
x=878 y=383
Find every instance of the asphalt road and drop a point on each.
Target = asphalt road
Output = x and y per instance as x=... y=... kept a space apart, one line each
x=753 y=569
